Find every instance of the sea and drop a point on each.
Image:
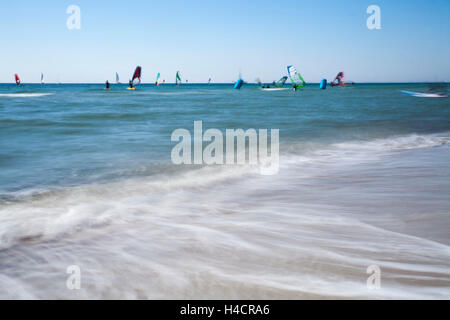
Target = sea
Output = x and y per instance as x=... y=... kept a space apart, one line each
x=93 y=207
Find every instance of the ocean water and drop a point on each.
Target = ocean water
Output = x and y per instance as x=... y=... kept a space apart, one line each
x=86 y=179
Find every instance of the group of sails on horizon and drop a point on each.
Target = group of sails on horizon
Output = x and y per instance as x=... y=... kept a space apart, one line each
x=296 y=79
x=435 y=91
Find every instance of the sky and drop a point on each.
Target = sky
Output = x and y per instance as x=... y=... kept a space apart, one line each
x=222 y=39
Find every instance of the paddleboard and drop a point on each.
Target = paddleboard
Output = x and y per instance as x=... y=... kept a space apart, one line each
x=423 y=95
x=131 y=88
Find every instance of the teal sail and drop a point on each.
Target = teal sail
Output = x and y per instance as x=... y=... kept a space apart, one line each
x=177 y=78
x=239 y=83
x=280 y=83
x=296 y=78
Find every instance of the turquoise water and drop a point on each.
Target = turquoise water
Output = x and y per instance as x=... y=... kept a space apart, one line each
x=86 y=178
x=83 y=133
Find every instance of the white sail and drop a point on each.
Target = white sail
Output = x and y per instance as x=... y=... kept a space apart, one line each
x=42 y=78
x=296 y=78
x=117 y=78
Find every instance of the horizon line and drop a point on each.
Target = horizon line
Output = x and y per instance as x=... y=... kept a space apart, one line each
x=213 y=83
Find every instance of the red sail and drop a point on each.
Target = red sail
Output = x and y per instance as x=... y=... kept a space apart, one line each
x=137 y=76
x=17 y=79
x=339 y=80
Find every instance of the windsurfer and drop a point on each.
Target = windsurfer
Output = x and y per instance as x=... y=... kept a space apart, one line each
x=297 y=81
x=131 y=84
x=107 y=84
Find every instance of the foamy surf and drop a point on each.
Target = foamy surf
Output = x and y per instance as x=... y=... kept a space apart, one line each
x=25 y=95
x=229 y=233
x=413 y=141
x=162 y=92
x=360 y=151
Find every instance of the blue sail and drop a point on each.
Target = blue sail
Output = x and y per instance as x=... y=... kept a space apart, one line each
x=239 y=83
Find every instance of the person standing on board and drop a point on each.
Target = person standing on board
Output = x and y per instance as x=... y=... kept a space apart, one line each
x=107 y=85
x=131 y=84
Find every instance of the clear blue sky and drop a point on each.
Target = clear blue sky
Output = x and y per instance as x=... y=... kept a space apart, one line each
x=219 y=39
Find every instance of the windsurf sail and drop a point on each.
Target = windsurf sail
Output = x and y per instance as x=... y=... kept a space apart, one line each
x=16 y=76
x=209 y=81
x=157 y=79
x=296 y=78
x=117 y=78
x=339 y=80
x=177 y=77
x=239 y=83
x=137 y=76
x=42 y=78
x=280 y=83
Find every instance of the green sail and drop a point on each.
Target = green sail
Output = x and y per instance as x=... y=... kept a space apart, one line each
x=296 y=78
x=280 y=83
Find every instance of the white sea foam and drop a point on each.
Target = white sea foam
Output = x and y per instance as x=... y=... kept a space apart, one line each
x=227 y=232
x=25 y=95
x=178 y=93
x=413 y=141
x=358 y=151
